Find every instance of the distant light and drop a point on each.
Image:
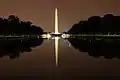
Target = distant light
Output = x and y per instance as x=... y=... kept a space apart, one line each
x=56 y=33
x=38 y=37
x=65 y=35
x=48 y=36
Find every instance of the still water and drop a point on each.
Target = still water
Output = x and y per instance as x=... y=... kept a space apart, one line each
x=40 y=61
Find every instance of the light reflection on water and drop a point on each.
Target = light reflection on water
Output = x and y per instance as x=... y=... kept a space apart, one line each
x=41 y=61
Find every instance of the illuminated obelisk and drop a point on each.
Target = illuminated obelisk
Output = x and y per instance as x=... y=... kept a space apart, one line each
x=56 y=21
x=56 y=38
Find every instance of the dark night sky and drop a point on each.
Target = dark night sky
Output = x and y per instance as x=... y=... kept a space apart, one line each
x=41 y=12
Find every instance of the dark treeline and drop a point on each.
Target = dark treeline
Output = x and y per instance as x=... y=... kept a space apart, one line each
x=107 y=48
x=14 y=26
x=97 y=25
x=13 y=48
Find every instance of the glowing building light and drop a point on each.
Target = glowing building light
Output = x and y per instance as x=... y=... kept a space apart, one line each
x=56 y=21
x=46 y=36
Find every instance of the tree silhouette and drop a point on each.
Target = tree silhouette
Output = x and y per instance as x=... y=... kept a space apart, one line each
x=14 y=26
x=97 y=25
